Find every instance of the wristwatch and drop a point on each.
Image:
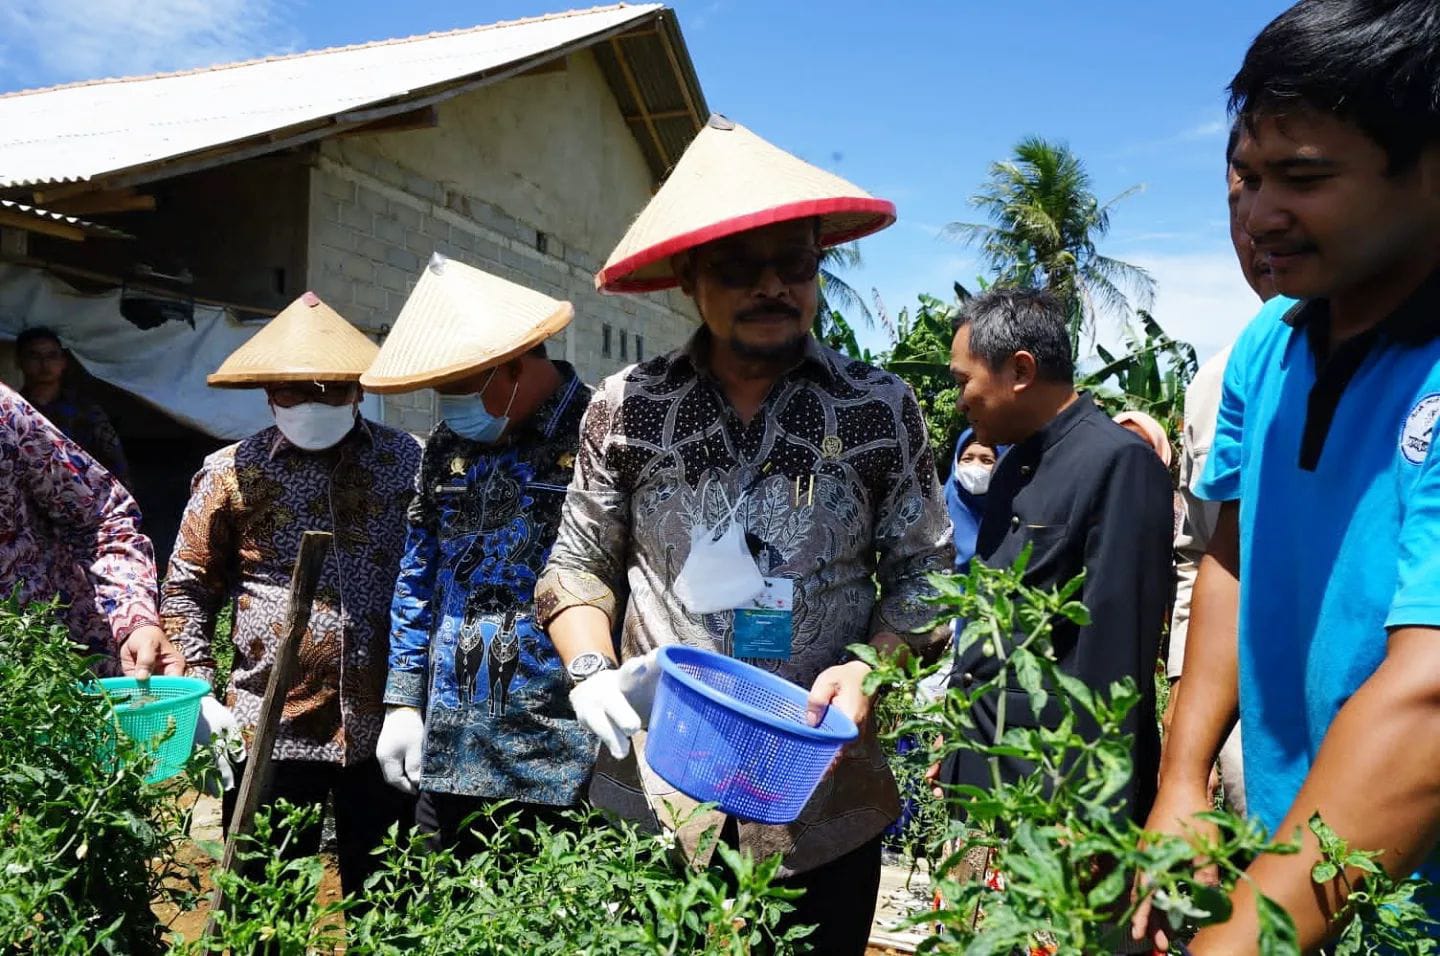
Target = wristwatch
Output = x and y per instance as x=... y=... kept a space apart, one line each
x=588 y=664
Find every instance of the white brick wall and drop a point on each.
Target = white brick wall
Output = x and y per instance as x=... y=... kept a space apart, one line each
x=373 y=224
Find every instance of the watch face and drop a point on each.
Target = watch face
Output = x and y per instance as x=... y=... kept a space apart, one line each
x=587 y=665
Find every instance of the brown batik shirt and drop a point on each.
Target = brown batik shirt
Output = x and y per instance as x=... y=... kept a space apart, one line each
x=238 y=540
x=840 y=494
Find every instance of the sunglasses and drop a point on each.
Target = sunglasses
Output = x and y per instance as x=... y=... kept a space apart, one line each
x=742 y=272
x=288 y=396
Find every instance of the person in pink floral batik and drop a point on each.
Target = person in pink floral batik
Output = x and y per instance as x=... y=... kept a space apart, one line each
x=68 y=528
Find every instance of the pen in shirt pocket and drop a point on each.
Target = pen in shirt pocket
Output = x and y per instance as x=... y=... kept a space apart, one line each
x=808 y=490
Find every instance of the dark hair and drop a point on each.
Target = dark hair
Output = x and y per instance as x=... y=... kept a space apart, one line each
x=35 y=334
x=538 y=350
x=1005 y=321
x=1231 y=142
x=1372 y=63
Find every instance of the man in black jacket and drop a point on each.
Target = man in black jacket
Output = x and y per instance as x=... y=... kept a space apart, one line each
x=1088 y=496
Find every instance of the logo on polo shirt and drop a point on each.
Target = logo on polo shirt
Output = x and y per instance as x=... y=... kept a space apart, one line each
x=1419 y=424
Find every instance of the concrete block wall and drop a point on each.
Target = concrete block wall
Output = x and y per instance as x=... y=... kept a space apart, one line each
x=374 y=223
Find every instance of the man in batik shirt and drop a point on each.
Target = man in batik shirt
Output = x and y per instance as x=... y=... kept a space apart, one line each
x=478 y=709
x=69 y=529
x=822 y=460
x=320 y=468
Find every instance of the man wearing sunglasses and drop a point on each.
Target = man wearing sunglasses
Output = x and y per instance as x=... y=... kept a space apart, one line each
x=749 y=491
x=320 y=468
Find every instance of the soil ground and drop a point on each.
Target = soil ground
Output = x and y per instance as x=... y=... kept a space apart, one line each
x=205 y=826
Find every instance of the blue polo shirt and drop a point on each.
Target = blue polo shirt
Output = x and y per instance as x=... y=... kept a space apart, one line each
x=1331 y=460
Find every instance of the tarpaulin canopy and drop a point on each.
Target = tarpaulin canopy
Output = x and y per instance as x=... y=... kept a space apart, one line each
x=165 y=365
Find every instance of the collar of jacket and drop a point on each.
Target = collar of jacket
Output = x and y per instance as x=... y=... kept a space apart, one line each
x=1058 y=427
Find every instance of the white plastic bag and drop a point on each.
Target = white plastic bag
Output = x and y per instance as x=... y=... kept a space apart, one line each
x=719 y=574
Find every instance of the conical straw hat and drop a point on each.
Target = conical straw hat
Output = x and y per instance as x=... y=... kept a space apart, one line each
x=730 y=181
x=307 y=342
x=459 y=321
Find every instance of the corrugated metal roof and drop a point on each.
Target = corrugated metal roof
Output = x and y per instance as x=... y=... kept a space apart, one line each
x=665 y=94
x=89 y=130
x=45 y=215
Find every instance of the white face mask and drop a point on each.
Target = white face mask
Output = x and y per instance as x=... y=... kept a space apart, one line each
x=314 y=426
x=973 y=478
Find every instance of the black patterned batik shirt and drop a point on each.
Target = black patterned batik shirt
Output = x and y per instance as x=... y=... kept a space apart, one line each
x=839 y=494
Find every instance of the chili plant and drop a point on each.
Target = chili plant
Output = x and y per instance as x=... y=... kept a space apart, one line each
x=86 y=846
x=1062 y=854
x=594 y=887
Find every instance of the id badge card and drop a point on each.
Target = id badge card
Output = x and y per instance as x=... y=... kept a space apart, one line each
x=763 y=625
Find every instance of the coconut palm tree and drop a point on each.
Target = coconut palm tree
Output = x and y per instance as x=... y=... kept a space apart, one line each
x=835 y=293
x=1044 y=223
x=837 y=298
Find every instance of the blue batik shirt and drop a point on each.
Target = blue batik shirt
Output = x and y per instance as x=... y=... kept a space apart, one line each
x=464 y=645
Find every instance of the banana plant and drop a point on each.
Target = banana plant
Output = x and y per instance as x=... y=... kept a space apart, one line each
x=1151 y=377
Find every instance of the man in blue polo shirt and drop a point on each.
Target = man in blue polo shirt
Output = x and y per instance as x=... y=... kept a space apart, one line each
x=1327 y=551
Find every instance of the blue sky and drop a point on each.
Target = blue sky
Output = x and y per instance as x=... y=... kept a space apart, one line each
x=910 y=100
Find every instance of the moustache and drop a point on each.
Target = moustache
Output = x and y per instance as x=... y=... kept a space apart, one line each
x=768 y=310
x=1279 y=247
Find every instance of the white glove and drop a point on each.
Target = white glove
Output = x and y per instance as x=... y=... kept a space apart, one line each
x=615 y=705
x=398 y=749
x=218 y=728
x=215 y=720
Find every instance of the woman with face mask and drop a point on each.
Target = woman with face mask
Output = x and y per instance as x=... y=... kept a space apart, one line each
x=965 y=491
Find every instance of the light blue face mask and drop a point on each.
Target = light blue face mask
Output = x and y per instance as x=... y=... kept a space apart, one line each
x=468 y=417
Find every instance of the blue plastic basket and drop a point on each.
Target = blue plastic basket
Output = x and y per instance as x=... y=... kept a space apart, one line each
x=725 y=732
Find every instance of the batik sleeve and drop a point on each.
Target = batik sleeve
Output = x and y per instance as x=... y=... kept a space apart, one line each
x=200 y=578
x=587 y=564
x=913 y=539
x=412 y=610
x=95 y=512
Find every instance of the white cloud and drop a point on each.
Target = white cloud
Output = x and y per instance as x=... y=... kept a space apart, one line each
x=1201 y=297
x=1206 y=130
x=700 y=19
x=1212 y=128
x=56 y=41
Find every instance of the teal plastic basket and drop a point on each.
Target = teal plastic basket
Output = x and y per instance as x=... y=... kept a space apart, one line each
x=162 y=722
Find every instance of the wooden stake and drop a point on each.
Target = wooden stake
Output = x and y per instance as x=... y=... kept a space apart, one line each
x=314 y=545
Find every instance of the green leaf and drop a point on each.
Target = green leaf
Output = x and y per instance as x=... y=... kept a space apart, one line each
x=1330 y=841
x=1077 y=689
x=1214 y=903
x=1277 y=930
x=867 y=653
x=1324 y=872
x=1109 y=889
x=1030 y=678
